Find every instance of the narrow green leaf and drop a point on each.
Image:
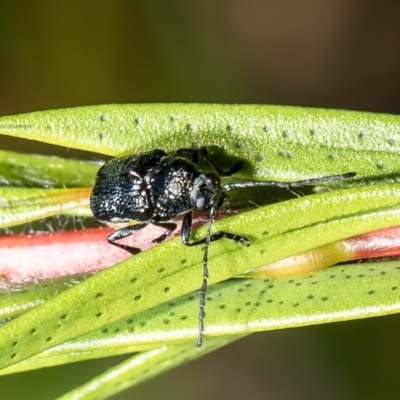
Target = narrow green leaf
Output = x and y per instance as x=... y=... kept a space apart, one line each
x=21 y=205
x=32 y=170
x=171 y=270
x=142 y=367
x=281 y=143
x=340 y=293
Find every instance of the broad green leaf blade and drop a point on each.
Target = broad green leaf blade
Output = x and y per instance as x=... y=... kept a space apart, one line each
x=142 y=367
x=281 y=143
x=32 y=170
x=171 y=269
x=20 y=205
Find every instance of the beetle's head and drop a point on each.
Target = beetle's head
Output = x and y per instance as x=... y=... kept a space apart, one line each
x=206 y=186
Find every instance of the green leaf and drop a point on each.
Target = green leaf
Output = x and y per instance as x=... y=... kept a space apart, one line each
x=254 y=305
x=17 y=169
x=142 y=367
x=19 y=205
x=140 y=300
x=281 y=143
x=171 y=270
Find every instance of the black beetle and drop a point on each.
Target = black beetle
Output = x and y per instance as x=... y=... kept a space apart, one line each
x=154 y=187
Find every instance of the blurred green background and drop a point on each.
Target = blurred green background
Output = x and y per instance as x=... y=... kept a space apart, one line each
x=322 y=53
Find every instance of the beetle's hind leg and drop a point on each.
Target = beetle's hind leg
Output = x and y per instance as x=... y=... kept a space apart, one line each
x=123 y=233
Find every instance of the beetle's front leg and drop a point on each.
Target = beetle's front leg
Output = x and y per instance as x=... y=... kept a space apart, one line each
x=187 y=230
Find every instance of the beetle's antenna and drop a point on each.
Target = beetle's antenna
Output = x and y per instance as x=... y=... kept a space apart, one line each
x=287 y=185
x=203 y=290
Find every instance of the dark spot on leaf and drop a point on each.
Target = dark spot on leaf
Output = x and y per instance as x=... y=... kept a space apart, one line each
x=166 y=321
x=99 y=314
x=166 y=289
x=161 y=270
x=63 y=316
x=371 y=292
x=33 y=330
x=324 y=298
x=133 y=280
x=138 y=297
x=222 y=306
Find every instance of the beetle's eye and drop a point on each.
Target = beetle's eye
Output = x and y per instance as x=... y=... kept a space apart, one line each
x=212 y=180
x=202 y=204
x=205 y=188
